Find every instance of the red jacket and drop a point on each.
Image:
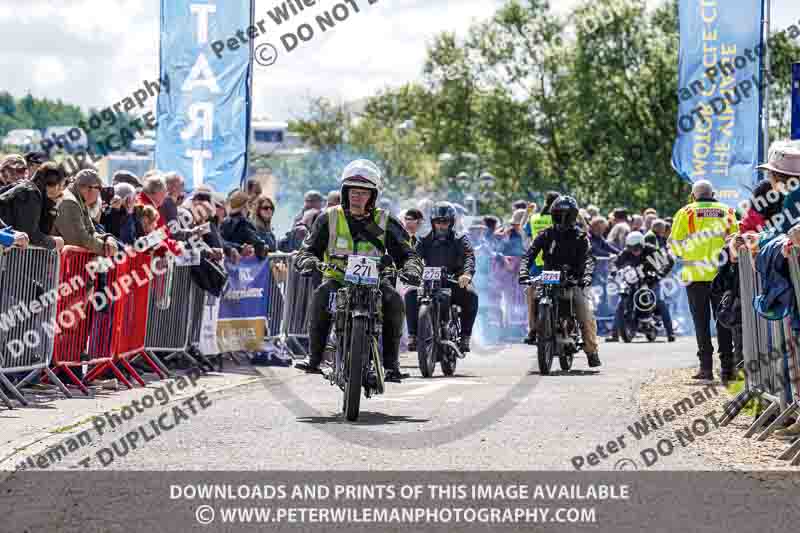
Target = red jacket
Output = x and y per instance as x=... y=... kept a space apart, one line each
x=142 y=200
x=753 y=221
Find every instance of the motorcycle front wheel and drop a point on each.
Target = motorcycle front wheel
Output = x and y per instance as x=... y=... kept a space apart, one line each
x=359 y=352
x=545 y=348
x=426 y=344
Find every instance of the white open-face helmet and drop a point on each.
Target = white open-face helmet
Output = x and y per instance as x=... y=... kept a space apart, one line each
x=634 y=239
x=361 y=174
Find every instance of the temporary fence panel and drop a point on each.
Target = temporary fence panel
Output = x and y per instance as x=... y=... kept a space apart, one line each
x=169 y=307
x=28 y=295
x=74 y=320
x=280 y=265
x=120 y=305
x=297 y=305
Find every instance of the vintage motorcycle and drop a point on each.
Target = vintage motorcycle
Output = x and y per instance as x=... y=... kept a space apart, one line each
x=358 y=322
x=438 y=332
x=637 y=294
x=558 y=332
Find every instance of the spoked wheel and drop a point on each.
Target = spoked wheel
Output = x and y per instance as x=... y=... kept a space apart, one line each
x=359 y=351
x=545 y=348
x=449 y=358
x=651 y=336
x=426 y=346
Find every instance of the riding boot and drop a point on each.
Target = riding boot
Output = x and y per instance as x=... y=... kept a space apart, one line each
x=391 y=360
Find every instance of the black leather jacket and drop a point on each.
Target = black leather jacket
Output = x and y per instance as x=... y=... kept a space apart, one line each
x=652 y=261
x=455 y=253
x=397 y=241
x=570 y=248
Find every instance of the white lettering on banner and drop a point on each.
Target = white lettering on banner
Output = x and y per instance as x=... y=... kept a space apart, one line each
x=202 y=11
x=244 y=294
x=201 y=76
x=197 y=164
x=202 y=115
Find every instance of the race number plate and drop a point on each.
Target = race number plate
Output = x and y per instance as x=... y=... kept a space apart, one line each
x=362 y=270
x=431 y=273
x=551 y=277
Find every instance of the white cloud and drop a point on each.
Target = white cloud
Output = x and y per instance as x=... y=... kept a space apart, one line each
x=95 y=52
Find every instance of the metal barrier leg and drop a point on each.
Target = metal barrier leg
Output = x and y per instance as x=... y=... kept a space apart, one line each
x=134 y=374
x=52 y=377
x=71 y=375
x=154 y=359
x=792 y=452
x=778 y=421
x=761 y=420
x=735 y=406
x=27 y=378
x=6 y=399
x=12 y=389
x=119 y=375
x=157 y=369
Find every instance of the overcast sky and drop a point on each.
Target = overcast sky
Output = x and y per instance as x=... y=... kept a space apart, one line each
x=96 y=52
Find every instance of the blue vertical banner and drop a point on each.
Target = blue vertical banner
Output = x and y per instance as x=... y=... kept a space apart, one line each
x=795 y=101
x=719 y=72
x=204 y=119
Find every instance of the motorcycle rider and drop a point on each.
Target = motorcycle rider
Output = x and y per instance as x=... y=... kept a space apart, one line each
x=442 y=247
x=654 y=266
x=358 y=227
x=565 y=244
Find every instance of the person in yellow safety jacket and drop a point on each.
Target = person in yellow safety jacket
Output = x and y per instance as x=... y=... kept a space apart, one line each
x=358 y=227
x=698 y=235
x=536 y=224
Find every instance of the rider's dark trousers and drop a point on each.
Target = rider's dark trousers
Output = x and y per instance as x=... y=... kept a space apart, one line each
x=320 y=323
x=701 y=304
x=466 y=299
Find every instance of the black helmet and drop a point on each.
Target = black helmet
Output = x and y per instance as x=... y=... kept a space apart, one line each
x=564 y=212
x=444 y=211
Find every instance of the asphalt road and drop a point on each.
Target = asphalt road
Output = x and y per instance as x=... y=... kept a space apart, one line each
x=496 y=413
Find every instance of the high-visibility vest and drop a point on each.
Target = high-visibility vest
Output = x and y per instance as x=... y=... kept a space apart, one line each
x=538 y=223
x=698 y=236
x=340 y=241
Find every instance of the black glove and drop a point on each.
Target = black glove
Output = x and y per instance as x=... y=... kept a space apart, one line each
x=309 y=267
x=410 y=278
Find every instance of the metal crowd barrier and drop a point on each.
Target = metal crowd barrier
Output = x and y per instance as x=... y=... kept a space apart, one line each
x=74 y=329
x=174 y=313
x=28 y=292
x=119 y=327
x=296 y=307
x=770 y=359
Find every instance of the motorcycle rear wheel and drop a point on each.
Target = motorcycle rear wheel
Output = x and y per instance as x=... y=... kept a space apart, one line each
x=359 y=352
x=449 y=359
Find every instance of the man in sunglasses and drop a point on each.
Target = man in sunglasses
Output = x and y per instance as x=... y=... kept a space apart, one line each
x=74 y=222
x=13 y=169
